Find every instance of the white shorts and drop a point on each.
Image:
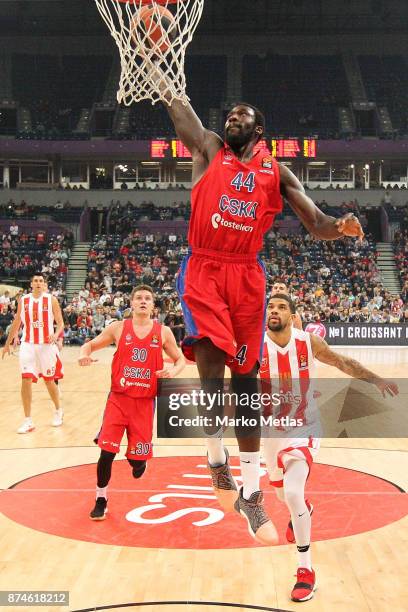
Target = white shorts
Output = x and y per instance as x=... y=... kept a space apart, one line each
x=276 y=450
x=40 y=360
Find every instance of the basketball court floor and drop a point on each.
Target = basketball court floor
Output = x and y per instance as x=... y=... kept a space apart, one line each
x=166 y=545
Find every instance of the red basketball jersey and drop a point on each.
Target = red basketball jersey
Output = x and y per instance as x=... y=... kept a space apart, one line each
x=136 y=361
x=234 y=204
x=37 y=318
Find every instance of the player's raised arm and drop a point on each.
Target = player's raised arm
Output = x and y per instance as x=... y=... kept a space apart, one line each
x=190 y=130
x=201 y=143
x=316 y=222
x=172 y=350
x=323 y=353
x=106 y=338
x=15 y=326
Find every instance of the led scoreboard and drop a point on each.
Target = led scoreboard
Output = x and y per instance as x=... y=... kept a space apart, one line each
x=292 y=147
x=285 y=148
x=168 y=149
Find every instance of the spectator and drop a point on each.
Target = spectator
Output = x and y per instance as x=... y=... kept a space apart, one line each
x=14 y=229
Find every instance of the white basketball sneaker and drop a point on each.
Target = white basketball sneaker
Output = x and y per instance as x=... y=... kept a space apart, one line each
x=26 y=427
x=58 y=418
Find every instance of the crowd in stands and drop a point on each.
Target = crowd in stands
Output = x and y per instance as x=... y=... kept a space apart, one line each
x=335 y=281
x=125 y=216
x=332 y=281
x=22 y=254
x=401 y=257
x=61 y=211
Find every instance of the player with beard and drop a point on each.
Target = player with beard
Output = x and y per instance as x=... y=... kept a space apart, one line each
x=236 y=193
x=281 y=287
x=288 y=368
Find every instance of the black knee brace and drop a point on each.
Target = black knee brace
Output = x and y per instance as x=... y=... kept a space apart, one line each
x=104 y=468
x=139 y=467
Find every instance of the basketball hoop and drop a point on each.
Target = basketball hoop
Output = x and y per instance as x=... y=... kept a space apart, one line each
x=152 y=37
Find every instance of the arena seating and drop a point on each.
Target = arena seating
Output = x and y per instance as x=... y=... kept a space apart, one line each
x=336 y=281
x=56 y=88
x=401 y=256
x=386 y=82
x=61 y=212
x=299 y=94
x=23 y=254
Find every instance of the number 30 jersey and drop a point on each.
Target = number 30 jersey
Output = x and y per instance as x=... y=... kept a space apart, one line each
x=136 y=361
x=234 y=203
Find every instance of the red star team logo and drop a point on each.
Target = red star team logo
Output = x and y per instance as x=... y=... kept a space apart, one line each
x=303 y=365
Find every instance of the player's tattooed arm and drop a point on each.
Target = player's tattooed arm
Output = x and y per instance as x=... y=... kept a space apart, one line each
x=352 y=367
x=107 y=337
x=316 y=222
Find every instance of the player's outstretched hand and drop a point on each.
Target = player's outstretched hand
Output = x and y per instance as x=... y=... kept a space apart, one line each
x=86 y=361
x=165 y=373
x=387 y=387
x=349 y=225
x=6 y=351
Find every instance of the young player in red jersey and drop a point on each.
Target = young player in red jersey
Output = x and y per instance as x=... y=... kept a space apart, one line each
x=136 y=366
x=236 y=194
x=288 y=368
x=38 y=355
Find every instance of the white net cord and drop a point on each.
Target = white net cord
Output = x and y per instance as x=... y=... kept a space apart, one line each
x=151 y=59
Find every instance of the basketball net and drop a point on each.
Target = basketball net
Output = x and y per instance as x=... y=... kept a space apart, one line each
x=151 y=70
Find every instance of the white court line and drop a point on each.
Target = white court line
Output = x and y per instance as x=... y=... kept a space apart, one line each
x=232 y=467
x=196 y=487
x=156 y=490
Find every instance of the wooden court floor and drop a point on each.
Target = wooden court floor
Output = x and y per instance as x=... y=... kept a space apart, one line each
x=365 y=571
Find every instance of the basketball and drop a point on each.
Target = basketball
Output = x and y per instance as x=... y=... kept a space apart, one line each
x=154 y=27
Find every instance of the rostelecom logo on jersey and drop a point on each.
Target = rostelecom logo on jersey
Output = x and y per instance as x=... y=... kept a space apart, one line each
x=217 y=220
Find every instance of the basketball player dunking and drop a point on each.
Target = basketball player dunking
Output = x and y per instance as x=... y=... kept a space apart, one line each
x=38 y=355
x=236 y=194
x=136 y=366
x=289 y=359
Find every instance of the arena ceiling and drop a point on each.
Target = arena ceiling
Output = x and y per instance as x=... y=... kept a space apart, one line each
x=58 y=17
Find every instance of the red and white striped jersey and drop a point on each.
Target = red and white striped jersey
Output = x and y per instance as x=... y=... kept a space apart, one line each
x=289 y=372
x=37 y=318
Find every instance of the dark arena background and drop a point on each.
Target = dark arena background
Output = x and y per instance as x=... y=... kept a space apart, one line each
x=96 y=196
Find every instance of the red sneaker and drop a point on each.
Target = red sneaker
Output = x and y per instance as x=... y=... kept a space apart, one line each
x=290 y=535
x=305 y=586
